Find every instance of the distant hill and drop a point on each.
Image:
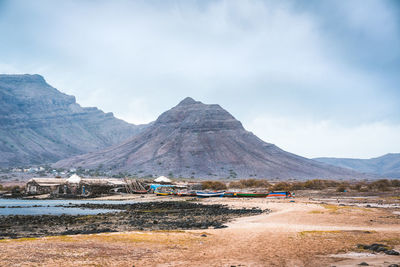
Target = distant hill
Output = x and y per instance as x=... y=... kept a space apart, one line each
x=39 y=124
x=387 y=165
x=205 y=141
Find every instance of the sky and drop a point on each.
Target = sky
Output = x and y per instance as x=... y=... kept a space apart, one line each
x=316 y=78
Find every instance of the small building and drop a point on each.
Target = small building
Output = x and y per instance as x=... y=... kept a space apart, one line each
x=39 y=186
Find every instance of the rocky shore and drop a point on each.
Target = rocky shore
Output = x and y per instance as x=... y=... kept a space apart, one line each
x=139 y=216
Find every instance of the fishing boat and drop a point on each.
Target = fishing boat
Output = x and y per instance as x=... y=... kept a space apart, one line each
x=282 y=194
x=250 y=194
x=229 y=194
x=163 y=193
x=209 y=194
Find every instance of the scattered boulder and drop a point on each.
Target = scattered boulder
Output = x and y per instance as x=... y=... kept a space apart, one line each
x=379 y=248
x=392 y=252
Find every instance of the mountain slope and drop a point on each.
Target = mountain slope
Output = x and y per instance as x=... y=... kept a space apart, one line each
x=387 y=165
x=198 y=140
x=39 y=124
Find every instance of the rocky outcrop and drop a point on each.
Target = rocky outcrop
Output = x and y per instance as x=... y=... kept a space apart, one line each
x=198 y=140
x=39 y=124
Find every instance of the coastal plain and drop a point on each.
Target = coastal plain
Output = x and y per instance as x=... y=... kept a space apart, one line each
x=306 y=231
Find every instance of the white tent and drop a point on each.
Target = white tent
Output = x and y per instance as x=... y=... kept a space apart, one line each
x=162 y=179
x=74 y=179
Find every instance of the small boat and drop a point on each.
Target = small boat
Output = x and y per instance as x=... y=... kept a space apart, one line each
x=209 y=194
x=162 y=193
x=229 y=194
x=282 y=194
x=250 y=194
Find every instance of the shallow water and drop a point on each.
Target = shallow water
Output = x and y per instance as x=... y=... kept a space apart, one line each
x=48 y=207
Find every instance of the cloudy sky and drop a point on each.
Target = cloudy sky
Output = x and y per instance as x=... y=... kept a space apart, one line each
x=317 y=78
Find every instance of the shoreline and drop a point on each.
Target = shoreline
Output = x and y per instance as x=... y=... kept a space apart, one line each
x=307 y=232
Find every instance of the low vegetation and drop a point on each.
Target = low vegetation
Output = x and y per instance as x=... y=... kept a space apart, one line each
x=318 y=184
x=213 y=185
x=250 y=183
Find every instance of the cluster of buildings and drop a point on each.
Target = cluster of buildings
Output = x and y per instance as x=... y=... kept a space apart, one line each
x=76 y=186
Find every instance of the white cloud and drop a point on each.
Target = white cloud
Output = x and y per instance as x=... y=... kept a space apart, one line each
x=327 y=138
x=138 y=59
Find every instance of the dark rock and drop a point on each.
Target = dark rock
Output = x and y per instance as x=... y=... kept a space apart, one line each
x=392 y=252
x=203 y=235
x=393 y=265
x=363 y=264
x=220 y=226
x=363 y=246
x=377 y=247
x=138 y=216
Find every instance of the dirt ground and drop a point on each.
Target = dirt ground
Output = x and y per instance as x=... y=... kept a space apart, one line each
x=306 y=232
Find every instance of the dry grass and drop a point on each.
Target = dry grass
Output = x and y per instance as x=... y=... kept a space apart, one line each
x=213 y=185
x=249 y=183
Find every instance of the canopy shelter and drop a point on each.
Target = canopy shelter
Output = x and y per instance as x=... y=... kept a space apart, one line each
x=163 y=179
x=74 y=179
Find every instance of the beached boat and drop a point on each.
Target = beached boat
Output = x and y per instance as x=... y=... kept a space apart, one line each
x=163 y=193
x=229 y=194
x=250 y=194
x=282 y=194
x=209 y=194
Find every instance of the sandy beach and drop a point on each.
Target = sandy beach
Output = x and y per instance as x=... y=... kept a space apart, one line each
x=299 y=233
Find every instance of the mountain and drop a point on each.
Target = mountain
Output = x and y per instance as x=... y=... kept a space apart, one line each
x=198 y=140
x=387 y=165
x=39 y=124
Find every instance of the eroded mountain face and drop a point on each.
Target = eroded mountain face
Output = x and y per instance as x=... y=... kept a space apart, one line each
x=39 y=124
x=198 y=140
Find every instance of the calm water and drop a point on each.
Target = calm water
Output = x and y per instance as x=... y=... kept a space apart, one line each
x=43 y=207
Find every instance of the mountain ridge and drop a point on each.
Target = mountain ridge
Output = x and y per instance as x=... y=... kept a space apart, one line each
x=39 y=124
x=387 y=165
x=193 y=139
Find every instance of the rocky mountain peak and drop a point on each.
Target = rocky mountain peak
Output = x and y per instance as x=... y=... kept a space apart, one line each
x=200 y=140
x=191 y=115
x=188 y=101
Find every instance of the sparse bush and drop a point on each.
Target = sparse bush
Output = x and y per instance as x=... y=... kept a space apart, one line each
x=298 y=186
x=356 y=187
x=380 y=185
x=213 y=185
x=341 y=188
x=363 y=189
x=395 y=183
x=282 y=186
x=249 y=183
x=320 y=184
